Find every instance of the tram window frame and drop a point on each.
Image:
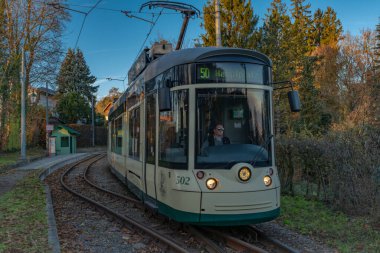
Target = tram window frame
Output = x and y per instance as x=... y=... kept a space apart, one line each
x=134 y=133
x=113 y=140
x=150 y=137
x=173 y=135
x=119 y=135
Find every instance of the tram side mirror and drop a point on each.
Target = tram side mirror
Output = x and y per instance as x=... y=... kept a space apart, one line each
x=164 y=99
x=294 y=101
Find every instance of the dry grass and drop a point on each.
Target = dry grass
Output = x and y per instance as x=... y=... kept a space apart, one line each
x=23 y=217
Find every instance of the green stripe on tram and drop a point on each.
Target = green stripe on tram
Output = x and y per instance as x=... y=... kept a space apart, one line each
x=217 y=219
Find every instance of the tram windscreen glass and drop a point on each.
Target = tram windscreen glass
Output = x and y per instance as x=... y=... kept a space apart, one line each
x=230 y=73
x=243 y=134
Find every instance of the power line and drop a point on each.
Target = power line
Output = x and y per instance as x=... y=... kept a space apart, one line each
x=58 y=6
x=80 y=32
x=131 y=12
x=94 y=7
x=84 y=20
x=146 y=38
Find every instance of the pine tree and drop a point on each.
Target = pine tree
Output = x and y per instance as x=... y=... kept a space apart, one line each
x=317 y=29
x=312 y=120
x=326 y=34
x=274 y=41
x=72 y=107
x=301 y=29
x=332 y=28
x=75 y=82
x=238 y=23
x=75 y=75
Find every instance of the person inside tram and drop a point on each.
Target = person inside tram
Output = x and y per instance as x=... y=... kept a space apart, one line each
x=216 y=137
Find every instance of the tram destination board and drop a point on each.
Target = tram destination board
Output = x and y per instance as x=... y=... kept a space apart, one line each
x=230 y=73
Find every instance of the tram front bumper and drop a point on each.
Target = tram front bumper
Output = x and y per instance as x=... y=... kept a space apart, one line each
x=239 y=208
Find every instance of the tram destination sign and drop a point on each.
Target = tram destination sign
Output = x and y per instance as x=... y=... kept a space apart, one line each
x=227 y=72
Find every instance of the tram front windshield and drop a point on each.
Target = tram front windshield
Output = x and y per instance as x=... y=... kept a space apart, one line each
x=243 y=115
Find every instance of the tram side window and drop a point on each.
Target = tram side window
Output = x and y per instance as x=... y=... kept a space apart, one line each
x=151 y=128
x=174 y=133
x=134 y=134
x=113 y=136
x=119 y=135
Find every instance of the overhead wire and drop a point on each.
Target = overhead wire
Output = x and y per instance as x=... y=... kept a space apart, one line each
x=131 y=11
x=146 y=38
x=84 y=20
x=114 y=10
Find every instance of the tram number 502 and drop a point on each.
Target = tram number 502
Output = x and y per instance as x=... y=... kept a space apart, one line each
x=182 y=180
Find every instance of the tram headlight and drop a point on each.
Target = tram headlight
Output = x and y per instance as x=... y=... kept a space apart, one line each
x=267 y=180
x=211 y=183
x=244 y=174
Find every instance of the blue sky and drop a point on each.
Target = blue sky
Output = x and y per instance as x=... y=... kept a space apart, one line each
x=111 y=41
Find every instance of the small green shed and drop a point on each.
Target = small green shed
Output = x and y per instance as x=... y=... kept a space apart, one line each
x=65 y=139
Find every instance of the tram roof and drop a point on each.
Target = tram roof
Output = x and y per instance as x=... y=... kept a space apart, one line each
x=199 y=54
x=193 y=55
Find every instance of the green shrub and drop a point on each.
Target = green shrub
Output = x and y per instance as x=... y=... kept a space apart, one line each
x=342 y=168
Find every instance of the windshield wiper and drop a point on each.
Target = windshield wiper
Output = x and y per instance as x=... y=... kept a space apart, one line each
x=222 y=165
x=258 y=152
x=230 y=164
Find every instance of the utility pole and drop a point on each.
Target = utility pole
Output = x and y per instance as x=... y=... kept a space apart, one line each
x=93 y=122
x=217 y=24
x=23 y=107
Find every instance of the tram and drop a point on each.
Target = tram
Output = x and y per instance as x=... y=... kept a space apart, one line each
x=158 y=127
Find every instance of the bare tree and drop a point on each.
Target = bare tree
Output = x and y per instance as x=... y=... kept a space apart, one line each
x=357 y=77
x=36 y=27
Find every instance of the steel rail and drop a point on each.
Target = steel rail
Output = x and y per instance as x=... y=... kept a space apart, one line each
x=268 y=241
x=211 y=246
x=236 y=243
x=135 y=201
x=129 y=220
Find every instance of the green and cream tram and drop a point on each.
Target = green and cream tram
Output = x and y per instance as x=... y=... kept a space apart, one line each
x=158 y=127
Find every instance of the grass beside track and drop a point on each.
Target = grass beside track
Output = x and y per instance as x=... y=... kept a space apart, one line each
x=339 y=231
x=23 y=217
x=11 y=158
x=24 y=225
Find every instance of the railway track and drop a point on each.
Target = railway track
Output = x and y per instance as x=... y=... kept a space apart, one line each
x=76 y=180
x=246 y=239
x=73 y=180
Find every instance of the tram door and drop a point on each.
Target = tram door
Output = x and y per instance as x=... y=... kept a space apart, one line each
x=150 y=146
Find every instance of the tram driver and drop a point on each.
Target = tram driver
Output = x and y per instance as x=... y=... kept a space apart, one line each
x=216 y=137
